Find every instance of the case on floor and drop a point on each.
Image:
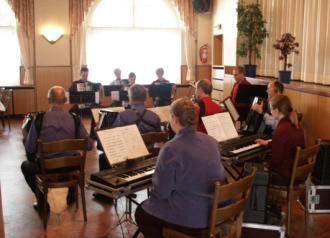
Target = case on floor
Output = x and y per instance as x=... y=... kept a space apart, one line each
x=252 y=230
x=318 y=199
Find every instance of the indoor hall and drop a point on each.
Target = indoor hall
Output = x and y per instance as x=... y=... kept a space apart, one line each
x=183 y=42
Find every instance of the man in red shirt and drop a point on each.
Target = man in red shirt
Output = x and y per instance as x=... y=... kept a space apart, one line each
x=242 y=108
x=204 y=102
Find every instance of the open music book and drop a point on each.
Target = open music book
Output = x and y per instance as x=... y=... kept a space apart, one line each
x=220 y=126
x=95 y=112
x=231 y=108
x=122 y=143
x=163 y=112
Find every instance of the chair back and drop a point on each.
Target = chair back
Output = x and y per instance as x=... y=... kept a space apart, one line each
x=239 y=189
x=65 y=161
x=151 y=138
x=6 y=95
x=303 y=164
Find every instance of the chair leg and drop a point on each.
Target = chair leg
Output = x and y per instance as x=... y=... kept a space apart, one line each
x=306 y=204
x=83 y=201
x=45 y=213
x=8 y=119
x=76 y=196
x=289 y=215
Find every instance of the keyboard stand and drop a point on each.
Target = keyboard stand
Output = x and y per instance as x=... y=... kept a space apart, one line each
x=232 y=162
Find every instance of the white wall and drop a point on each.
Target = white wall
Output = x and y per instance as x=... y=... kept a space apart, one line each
x=224 y=14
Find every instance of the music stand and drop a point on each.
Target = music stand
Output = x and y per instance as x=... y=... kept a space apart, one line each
x=123 y=94
x=82 y=97
x=231 y=108
x=245 y=93
x=161 y=90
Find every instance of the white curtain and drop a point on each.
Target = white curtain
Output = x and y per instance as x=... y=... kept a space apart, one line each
x=27 y=53
x=189 y=44
x=309 y=22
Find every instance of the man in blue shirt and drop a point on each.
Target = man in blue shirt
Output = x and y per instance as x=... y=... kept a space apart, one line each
x=146 y=121
x=183 y=183
x=56 y=125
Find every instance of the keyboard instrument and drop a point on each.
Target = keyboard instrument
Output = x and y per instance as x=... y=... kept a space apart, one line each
x=125 y=179
x=242 y=146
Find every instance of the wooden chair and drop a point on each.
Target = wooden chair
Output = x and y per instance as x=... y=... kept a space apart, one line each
x=300 y=181
x=151 y=138
x=74 y=178
x=5 y=95
x=227 y=215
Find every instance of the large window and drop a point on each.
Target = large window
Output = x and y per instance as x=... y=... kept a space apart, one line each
x=9 y=48
x=136 y=36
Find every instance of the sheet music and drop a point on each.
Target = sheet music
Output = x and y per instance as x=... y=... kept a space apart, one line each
x=231 y=108
x=163 y=113
x=97 y=97
x=122 y=143
x=214 y=128
x=227 y=125
x=80 y=87
x=95 y=112
x=220 y=126
x=115 y=96
x=2 y=107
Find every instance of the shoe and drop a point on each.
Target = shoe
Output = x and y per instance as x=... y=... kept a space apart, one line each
x=36 y=207
x=103 y=198
x=70 y=197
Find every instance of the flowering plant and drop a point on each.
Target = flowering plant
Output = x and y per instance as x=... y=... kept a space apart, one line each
x=286 y=45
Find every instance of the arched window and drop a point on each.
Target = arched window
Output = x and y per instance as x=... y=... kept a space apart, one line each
x=9 y=48
x=136 y=36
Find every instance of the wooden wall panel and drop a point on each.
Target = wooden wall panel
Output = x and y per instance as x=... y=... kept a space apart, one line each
x=202 y=72
x=24 y=101
x=49 y=76
x=316 y=116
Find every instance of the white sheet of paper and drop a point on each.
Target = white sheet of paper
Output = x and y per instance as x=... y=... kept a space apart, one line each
x=214 y=128
x=227 y=125
x=163 y=113
x=67 y=95
x=231 y=108
x=97 y=97
x=2 y=107
x=122 y=143
x=80 y=87
x=115 y=96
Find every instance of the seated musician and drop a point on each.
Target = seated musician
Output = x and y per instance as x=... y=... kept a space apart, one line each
x=205 y=104
x=286 y=137
x=274 y=88
x=161 y=101
x=183 y=182
x=84 y=85
x=131 y=78
x=242 y=108
x=56 y=125
x=146 y=121
x=118 y=80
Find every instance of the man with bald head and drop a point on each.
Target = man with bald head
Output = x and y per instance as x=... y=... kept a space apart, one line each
x=204 y=102
x=56 y=125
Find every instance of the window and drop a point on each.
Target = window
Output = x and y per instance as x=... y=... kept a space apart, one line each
x=136 y=36
x=9 y=48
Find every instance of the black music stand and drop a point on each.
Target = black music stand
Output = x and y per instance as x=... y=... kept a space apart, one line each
x=161 y=90
x=82 y=97
x=123 y=94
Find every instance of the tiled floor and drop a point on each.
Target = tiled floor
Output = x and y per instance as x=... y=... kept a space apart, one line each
x=22 y=221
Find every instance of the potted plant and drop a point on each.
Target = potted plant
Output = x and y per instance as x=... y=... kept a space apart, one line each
x=251 y=33
x=286 y=45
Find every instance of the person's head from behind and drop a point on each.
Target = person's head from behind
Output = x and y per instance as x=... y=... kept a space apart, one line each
x=182 y=114
x=84 y=73
x=56 y=96
x=239 y=73
x=137 y=94
x=274 y=88
x=117 y=73
x=280 y=106
x=160 y=73
x=203 y=88
x=131 y=78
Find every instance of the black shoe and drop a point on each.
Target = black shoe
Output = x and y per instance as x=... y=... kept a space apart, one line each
x=36 y=207
x=70 y=197
x=103 y=198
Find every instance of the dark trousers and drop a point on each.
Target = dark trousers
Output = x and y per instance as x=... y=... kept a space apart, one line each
x=151 y=227
x=30 y=169
x=278 y=179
